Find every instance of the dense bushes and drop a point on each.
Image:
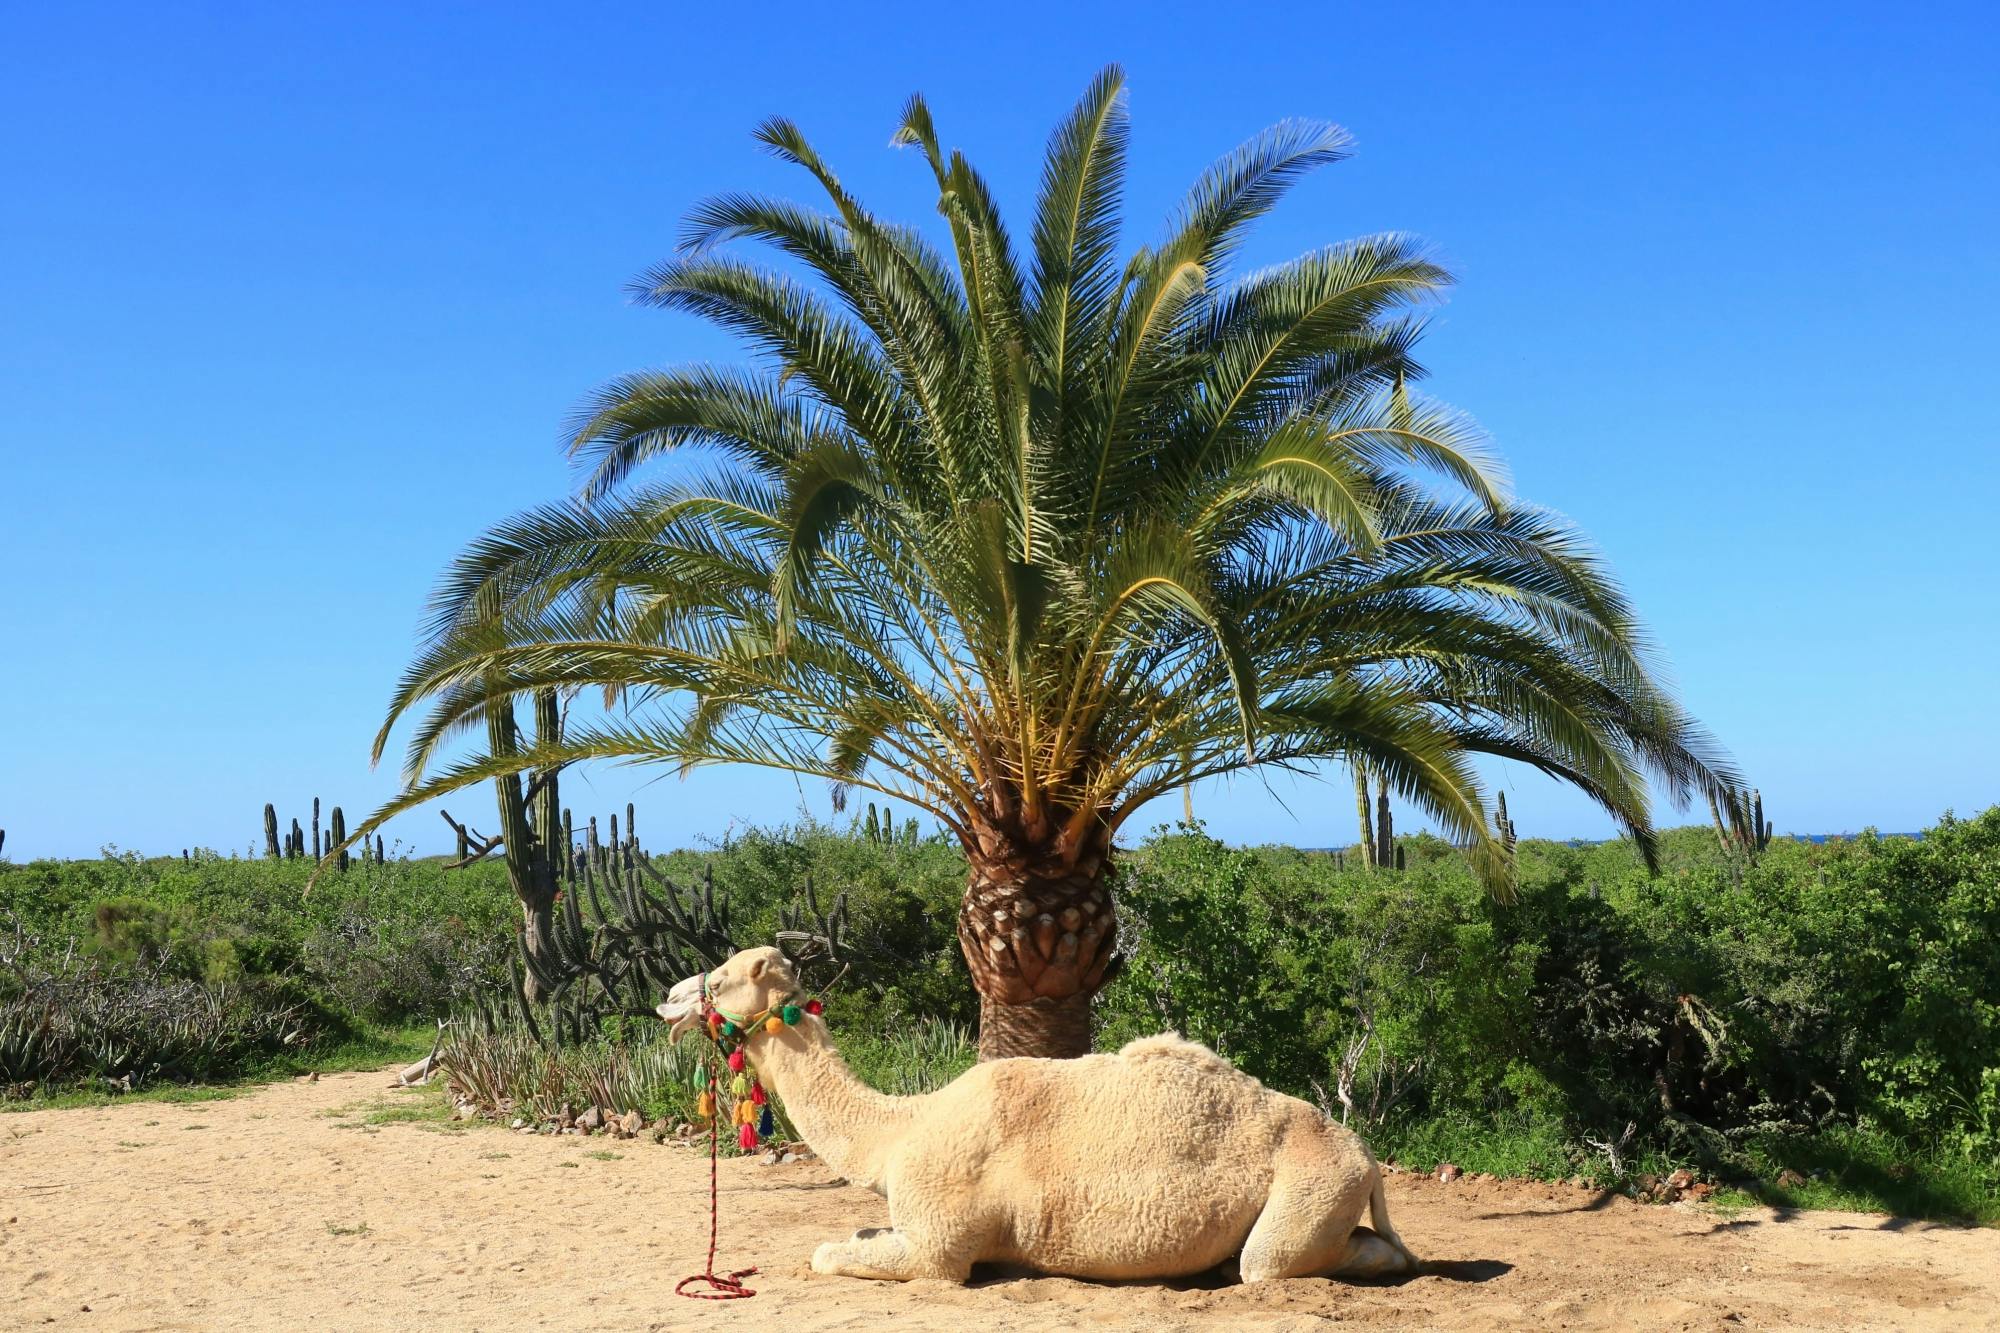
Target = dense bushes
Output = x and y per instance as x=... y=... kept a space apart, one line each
x=126 y=971
x=1740 y=1016
x=1710 y=1013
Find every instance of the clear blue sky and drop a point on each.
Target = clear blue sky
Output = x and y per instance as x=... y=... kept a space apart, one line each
x=293 y=300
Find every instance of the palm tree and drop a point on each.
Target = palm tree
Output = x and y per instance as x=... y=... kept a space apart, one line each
x=1029 y=539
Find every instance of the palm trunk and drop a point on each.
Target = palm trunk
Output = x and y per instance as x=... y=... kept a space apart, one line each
x=1039 y=946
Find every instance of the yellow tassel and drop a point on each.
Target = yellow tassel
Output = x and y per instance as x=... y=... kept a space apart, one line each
x=774 y=1024
x=745 y=1113
x=705 y=1105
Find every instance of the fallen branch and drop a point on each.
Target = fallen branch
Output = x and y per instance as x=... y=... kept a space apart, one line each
x=422 y=1070
x=470 y=837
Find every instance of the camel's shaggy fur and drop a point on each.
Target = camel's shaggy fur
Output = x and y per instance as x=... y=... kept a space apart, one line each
x=1159 y=1161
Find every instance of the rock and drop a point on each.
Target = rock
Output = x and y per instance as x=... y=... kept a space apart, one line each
x=566 y=1116
x=1700 y=1190
x=789 y=1158
x=1680 y=1179
x=770 y=1159
x=1447 y=1173
x=518 y=1123
x=660 y=1132
x=632 y=1122
x=1789 y=1179
x=591 y=1120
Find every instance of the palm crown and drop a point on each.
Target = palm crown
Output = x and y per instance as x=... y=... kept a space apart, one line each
x=1028 y=540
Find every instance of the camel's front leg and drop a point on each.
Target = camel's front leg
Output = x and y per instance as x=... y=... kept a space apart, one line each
x=883 y=1253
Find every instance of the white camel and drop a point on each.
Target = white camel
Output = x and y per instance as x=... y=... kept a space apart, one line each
x=1160 y=1161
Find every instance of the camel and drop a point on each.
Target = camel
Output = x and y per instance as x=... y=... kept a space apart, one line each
x=1160 y=1161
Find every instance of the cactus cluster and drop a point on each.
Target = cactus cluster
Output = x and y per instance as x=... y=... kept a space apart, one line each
x=291 y=844
x=1740 y=826
x=1378 y=833
x=1502 y=825
x=880 y=828
x=623 y=934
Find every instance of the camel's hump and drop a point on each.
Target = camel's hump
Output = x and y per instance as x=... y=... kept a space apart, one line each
x=1173 y=1046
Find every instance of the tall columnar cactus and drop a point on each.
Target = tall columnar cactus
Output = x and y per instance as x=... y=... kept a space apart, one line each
x=1502 y=824
x=271 y=831
x=1364 y=817
x=378 y=849
x=316 y=847
x=297 y=841
x=1385 y=828
x=337 y=830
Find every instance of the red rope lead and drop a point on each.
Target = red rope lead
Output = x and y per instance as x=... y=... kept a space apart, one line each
x=722 y=1286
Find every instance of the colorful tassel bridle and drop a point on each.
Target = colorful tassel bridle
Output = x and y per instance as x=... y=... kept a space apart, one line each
x=752 y=1115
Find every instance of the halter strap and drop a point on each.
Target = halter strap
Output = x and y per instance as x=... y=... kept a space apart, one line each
x=743 y=1025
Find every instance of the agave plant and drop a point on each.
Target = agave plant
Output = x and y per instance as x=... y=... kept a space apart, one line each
x=1029 y=537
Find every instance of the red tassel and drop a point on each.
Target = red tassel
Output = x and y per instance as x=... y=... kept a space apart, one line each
x=815 y=1007
x=736 y=1062
x=757 y=1094
x=748 y=1138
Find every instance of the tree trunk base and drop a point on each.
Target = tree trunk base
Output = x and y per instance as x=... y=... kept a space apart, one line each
x=1055 y=1029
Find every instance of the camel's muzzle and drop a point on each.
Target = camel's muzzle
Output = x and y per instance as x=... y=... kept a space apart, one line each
x=682 y=1007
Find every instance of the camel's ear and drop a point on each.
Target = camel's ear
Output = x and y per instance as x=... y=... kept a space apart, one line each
x=758 y=967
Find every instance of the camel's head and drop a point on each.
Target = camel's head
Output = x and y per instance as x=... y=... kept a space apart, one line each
x=750 y=982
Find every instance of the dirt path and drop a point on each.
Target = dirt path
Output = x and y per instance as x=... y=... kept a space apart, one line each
x=282 y=1209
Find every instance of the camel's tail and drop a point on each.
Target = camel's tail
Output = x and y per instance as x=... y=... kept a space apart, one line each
x=1378 y=1220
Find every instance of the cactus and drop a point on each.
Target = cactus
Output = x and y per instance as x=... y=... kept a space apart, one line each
x=1503 y=825
x=1741 y=829
x=872 y=830
x=337 y=831
x=1385 y=827
x=297 y=840
x=378 y=849
x=1367 y=821
x=271 y=831
x=1399 y=858
x=316 y=847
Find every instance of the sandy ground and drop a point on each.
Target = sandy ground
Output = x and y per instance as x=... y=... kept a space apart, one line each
x=278 y=1209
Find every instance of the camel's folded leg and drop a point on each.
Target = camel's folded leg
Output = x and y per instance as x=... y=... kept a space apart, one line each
x=1368 y=1255
x=883 y=1253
